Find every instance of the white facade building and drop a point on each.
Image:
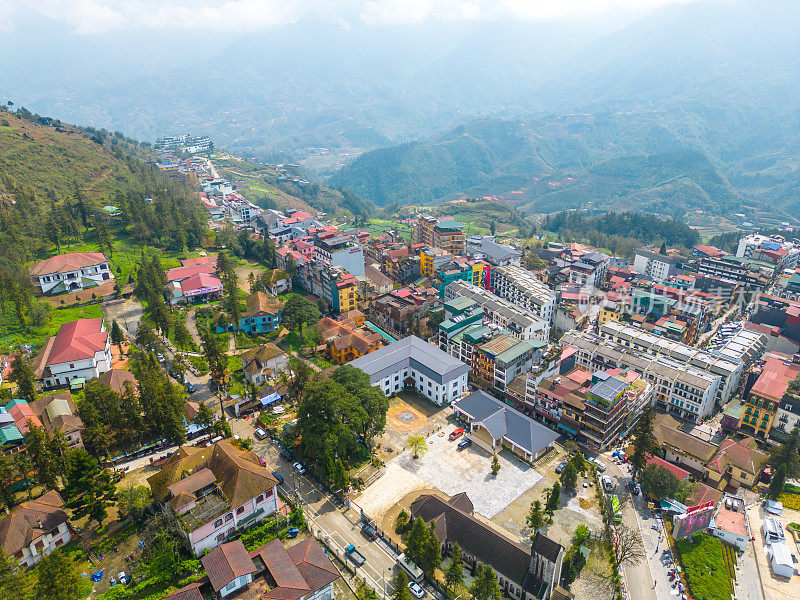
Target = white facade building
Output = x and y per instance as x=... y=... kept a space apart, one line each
x=522 y=288
x=71 y=272
x=412 y=362
x=79 y=349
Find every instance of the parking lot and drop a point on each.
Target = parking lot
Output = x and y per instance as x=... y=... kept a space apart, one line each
x=450 y=470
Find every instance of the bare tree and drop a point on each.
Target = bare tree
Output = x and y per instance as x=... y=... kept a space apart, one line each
x=628 y=548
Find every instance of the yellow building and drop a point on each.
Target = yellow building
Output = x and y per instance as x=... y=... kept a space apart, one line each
x=347 y=292
x=446 y=234
x=478 y=269
x=761 y=404
x=431 y=260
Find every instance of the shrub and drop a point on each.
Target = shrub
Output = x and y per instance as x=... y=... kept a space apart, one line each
x=401 y=524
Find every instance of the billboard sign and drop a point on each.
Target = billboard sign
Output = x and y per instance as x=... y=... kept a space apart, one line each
x=693 y=520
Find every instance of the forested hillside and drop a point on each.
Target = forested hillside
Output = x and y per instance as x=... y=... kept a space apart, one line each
x=56 y=179
x=639 y=160
x=621 y=232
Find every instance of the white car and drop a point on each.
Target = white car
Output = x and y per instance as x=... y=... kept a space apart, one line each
x=416 y=589
x=259 y=433
x=300 y=468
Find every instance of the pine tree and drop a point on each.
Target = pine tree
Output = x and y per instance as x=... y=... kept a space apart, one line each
x=58 y=578
x=495 y=465
x=116 y=335
x=643 y=441
x=89 y=489
x=400 y=586
x=535 y=517
x=569 y=477
x=431 y=556
x=454 y=575
x=15 y=581
x=484 y=586
x=777 y=482
x=416 y=540
x=553 y=497
x=22 y=375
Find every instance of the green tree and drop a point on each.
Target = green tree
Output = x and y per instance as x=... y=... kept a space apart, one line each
x=786 y=454
x=402 y=521
x=133 y=500
x=484 y=585
x=454 y=574
x=417 y=445
x=89 y=489
x=161 y=558
x=22 y=375
x=400 y=586
x=581 y=535
x=495 y=465
x=205 y=415
x=217 y=361
x=777 y=482
x=15 y=581
x=569 y=477
x=431 y=553
x=661 y=483
x=116 y=335
x=643 y=441
x=535 y=517
x=553 y=497
x=299 y=310
x=58 y=578
x=8 y=477
x=415 y=542
x=48 y=465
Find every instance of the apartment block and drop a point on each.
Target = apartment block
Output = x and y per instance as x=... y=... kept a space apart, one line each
x=521 y=323
x=639 y=339
x=680 y=388
x=521 y=287
x=446 y=234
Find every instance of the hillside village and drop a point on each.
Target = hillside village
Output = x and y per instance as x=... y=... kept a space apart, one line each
x=298 y=408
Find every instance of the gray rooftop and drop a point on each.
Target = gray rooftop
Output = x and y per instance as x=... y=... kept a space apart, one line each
x=502 y=421
x=414 y=352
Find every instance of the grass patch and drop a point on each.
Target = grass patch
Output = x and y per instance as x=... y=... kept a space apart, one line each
x=13 y=335
x=321 y=362
x=705 y=567
x=790 y=500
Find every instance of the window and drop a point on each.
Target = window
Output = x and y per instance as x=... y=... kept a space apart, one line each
x=228 y=517
x=269 y=493
x=260 y=499
x=217 y=523
x=220 y=537
x=240 y=510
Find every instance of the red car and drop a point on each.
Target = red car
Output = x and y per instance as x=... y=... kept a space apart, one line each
x=456 y=434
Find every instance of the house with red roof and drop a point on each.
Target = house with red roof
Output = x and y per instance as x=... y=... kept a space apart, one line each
x=198 y=287
x=80 y=350
x=70 y=272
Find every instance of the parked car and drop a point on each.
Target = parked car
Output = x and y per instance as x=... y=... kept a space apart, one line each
x=457 y=433
x=354 y=555
x=190 y=388
x=465 y=443
x=369 y=532
x=561 y=467
x=300 y=468
x=634 y=487
x=416 y=589
x=277 y=476
x=286 y=454
x=260 y=433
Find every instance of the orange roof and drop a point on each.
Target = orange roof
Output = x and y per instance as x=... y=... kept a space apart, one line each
x=681 y=474
x=778 y=371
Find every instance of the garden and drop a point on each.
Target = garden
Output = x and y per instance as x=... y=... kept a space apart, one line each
x=707 y=566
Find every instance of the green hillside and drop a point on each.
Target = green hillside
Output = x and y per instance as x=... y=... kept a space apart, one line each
x=657 y=161
x=56 y=179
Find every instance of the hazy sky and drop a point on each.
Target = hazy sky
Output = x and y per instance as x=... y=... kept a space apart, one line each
x=100 y=16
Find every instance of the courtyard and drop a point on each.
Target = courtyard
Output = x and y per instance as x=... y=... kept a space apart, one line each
x=445 y=468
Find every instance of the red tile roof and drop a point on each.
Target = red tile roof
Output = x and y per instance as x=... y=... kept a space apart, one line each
x=180 y=273
x=64 y=263
x=681 y=474
x=227 y=562
x=198 y=282
x=78 y=340
x=775 y=376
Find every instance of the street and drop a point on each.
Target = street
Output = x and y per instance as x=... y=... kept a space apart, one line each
x=339 y=525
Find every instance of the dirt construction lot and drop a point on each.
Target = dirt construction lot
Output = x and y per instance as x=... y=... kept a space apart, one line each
x=451 y=471
x=775 y=587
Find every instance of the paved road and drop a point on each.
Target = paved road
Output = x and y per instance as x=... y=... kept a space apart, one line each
x=341 y=525
x=639 y=577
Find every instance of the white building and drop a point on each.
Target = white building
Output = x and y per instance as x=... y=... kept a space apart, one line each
x=682 y=389
x=80 y=349
x=782 y=561
x=729 y=523
x=35 y=528
x=639 y=339
x=589 y=270
x=71 y=272
x=751 y=245
x=412 y=362
x=521 y=287
x=657 y=267
x=520 y=322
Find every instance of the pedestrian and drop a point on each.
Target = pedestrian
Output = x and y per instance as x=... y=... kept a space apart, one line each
x=655 y=581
